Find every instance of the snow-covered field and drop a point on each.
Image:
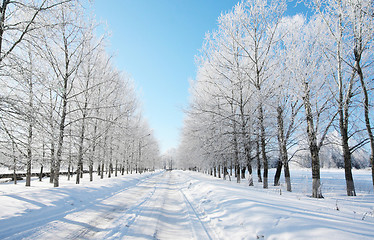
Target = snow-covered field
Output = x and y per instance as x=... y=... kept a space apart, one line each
x=187 y=205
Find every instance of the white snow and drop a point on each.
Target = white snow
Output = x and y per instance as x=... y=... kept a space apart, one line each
x=187 y=205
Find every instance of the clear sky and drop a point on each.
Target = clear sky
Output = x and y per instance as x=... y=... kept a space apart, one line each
x=156 y=42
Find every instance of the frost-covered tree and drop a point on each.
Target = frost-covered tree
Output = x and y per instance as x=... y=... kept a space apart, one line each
x=64 y=52
x=351 y=38
x=306 y=48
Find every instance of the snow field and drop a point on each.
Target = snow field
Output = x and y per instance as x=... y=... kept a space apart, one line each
x=187 y=205
x=241 y=212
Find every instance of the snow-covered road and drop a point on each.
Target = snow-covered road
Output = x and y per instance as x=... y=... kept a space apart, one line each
x=153 y=208
x=165 y=213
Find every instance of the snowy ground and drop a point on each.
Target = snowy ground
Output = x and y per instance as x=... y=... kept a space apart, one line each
x=187 y=205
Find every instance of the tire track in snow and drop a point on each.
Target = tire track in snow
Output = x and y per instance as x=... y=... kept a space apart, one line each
x=168 y=215
x=122 y=229
x=211 y=235
x=120 y=216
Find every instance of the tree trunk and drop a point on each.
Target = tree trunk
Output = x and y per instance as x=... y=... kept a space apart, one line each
x=2 y=24
x=29 y=157
x=91 y=159
x=237 y=170
x=287 y=175
x=282 y=140
x=51 y=174
x=15 y=174
x=346 y=155
x=110 y=170
x=249 y=164
x=82 y=171
x=313 y=147
x=236 y=157
x=343 y=110
x=14 y=163
x=250 y=177
x=91 y=172
x=278 y=173
x=231 y=167
x=41 y=173
x=77 y=180
x=263 y=147
x=243 y=173
x=116 y=168
x=69 y=171
x=258 y=159
x=56 y=177
x=314 y=152
x=111 y=157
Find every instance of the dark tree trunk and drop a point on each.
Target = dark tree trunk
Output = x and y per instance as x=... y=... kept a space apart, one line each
x=231 y=167
x=91 y=172
x=116 y=168
x=347 y=156
x=81 y=175
x=15 y=174
x=41 y=173
x=278 y=173
x=236 y=156
x=258 y=159
x=237 y=169
x=2 y=23
x=243 y=173
x=110 y=170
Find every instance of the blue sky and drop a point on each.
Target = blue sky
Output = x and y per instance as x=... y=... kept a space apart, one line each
x=156 y=42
